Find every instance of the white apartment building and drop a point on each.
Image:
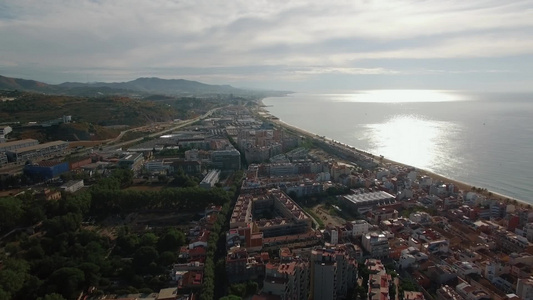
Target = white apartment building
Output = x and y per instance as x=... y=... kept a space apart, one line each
x=377 y=244
x=359 y=228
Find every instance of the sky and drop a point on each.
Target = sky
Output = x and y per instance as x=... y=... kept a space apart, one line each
x=300 y=46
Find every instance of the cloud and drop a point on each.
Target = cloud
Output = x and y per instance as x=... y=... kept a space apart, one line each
x=125 y=37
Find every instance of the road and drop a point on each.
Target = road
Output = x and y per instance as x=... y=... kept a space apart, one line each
x=180 y=125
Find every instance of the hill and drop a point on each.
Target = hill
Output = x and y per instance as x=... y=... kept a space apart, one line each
x=36 y=114
x=8 y=83
x=141 y=87
x=109 y=110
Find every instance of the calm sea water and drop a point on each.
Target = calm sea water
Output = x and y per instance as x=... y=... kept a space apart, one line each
x=483 y=139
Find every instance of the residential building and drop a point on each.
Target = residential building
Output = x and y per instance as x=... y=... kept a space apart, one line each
x=375 y=266
x=385 y=213
x=333 y=272
x=465 y=268
x=291 y=218
x=446 y=292
x=495 y=268
x=411 y=256
x=524 y=288
x=191 y=280
x=470 y=292
x=168 y=294
x=377 y=244
x=442 y=274
x=324 y=281
x=510 y=242
x=226 y=159
x=359 y=227
x=240 y=266
x=378 y=286
x=528 y=232
x=440 y=246
x=410 y=295
x=288 y=280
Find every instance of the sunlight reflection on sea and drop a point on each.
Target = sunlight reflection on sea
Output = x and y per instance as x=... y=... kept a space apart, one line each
x=481 y=138
x=410 y=139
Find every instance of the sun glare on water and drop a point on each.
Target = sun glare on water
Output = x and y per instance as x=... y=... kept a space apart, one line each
x=399 y=96
x=409 y=139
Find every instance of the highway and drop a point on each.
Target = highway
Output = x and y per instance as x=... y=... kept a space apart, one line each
x=181 y=124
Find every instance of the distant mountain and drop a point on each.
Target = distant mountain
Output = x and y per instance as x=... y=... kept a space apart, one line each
x=158 y=85
x=140 y=86
x=8 y=83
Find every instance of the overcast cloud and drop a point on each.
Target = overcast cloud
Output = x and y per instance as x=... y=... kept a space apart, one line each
x=299 y=45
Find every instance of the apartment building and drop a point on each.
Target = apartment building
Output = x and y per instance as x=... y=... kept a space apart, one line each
x=359 y=228
x=333 y=272
x=226 y=159
x=510 y=242
x=377 y=244
x=240 y=266
x=524 y=288
x=288 y=280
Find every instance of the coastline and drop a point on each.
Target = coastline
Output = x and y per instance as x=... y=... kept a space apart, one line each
x=461 y=185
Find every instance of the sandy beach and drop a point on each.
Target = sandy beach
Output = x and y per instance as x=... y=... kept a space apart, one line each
x=384 y=162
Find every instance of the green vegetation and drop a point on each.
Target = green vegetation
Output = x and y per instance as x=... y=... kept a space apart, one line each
x=62 y=257
x=112 y=110
x=90 y=114
x=310 y=212
x=243 y=290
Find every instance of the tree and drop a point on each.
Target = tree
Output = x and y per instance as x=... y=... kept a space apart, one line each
x=251 y=288
x=4 y=295
x=53 y=296
x=171 y=240
x=91 y=272
x=10 y=212
x=231 y=297
x=168 y=257
x=128 y=243
x=143 y=257
x=124 y=176
x=149 y=239
x=12 y=281
x=67 y=281
x=13 y=275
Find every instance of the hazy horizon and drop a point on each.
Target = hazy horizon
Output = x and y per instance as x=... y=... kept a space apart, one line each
x=297 y=46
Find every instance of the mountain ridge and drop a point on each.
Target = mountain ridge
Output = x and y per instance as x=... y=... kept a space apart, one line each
x=145 y=85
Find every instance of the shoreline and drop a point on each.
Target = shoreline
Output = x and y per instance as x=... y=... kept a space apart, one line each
x=461 y=185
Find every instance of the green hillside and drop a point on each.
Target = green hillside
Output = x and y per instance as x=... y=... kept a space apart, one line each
x=112 y=110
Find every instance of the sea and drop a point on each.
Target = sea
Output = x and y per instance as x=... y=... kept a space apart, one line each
x=483 y=139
